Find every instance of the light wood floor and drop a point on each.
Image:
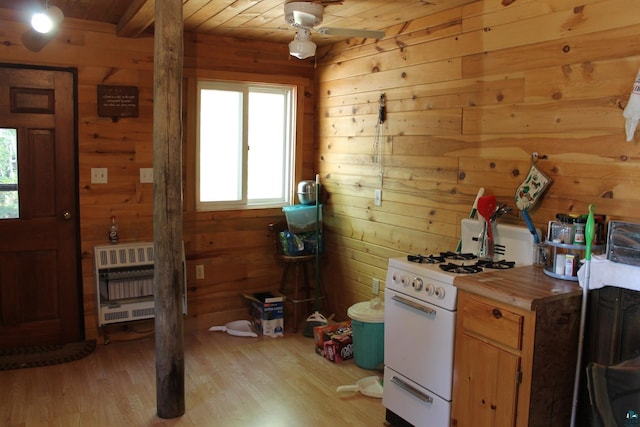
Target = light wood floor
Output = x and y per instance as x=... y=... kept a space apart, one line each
x=230 y=381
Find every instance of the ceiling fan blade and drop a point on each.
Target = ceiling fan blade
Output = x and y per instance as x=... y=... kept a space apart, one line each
x=351 y=32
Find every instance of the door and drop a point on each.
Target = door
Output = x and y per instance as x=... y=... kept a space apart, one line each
x=40 y=297
x=487 y=387
x=416 y=331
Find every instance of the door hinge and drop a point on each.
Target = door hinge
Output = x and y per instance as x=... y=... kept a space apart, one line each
x=519 y=377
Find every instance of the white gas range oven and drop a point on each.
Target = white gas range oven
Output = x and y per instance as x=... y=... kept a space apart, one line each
x=420 y=320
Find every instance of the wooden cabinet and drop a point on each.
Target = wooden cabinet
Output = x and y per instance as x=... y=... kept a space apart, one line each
x=514 y=356
x=612 y=335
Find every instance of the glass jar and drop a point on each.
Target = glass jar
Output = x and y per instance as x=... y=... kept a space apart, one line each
x=566 y=235
x=556 y=232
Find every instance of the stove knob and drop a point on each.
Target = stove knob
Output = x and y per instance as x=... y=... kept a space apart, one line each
x=430 y=289
x=440 y=292
x=405 y=281
x=396 y=277
x=417 y=284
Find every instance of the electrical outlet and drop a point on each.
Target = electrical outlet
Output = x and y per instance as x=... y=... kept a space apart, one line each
x=99 y=175
x=378 y=197
x=199 y=272
x=375 y=286
x=146 y=175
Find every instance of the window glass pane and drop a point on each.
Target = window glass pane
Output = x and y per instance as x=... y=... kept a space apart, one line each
x=267 y=133
x=246 y=145
x=9 y=174
x=220 y=145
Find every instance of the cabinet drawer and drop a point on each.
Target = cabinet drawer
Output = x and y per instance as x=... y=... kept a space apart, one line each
x=492 y=322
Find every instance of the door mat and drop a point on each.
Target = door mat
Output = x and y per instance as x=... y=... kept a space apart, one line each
x=44 y=355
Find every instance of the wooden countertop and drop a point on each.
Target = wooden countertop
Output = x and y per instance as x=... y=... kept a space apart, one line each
x=524 y=287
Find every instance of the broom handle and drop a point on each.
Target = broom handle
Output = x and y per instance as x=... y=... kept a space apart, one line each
x=588 y=235
x=317 y=269
x=589 y=232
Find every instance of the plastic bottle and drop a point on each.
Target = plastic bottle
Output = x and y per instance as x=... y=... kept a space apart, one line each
x=114 y=231
x=578 y=231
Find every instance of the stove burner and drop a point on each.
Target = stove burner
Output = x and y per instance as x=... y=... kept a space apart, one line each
x=421 y=259
x=455 y=255
x=439 y=259
x=498 y=265
x=460 y=269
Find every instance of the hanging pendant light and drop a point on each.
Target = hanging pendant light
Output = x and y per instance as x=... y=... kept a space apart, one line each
x=47 y=20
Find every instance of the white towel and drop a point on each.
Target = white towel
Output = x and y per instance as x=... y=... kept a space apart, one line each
x=606 y=273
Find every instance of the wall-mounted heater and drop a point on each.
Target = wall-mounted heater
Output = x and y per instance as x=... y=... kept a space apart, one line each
x=124 y=282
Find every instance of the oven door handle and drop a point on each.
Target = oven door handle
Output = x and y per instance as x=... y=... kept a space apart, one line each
x=412 y=390
x=413 y=304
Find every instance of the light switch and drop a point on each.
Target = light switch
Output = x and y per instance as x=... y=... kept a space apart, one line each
x=199 y=271
x=146 y=175
x=99 y=176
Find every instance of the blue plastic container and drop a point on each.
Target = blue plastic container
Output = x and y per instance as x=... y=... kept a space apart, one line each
x=367 y=329
x=302 y=218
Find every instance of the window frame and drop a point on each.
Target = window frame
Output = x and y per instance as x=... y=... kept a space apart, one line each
x=12 y=187
x=296 y=101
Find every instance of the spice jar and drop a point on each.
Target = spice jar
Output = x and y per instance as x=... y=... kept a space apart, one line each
x=566 y=234
x=578 y=231
x=556 y=232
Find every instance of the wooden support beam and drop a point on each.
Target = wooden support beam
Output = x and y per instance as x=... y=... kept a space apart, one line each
x=137 y=18
x=167 y=207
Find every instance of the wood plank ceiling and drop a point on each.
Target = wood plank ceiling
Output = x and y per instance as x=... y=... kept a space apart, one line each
x=247 y=19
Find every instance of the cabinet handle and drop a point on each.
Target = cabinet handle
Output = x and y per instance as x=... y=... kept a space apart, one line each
x=409 y=389
x=497 y=313
x=413 y=304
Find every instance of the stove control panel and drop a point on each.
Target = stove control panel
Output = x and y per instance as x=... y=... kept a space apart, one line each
x=425 y=282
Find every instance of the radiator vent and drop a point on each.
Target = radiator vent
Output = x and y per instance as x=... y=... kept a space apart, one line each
x=124 y=282
x=144 y=312
x=116 y=316
x=124 y=255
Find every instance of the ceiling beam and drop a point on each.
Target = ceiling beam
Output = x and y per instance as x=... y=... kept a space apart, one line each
x=137 y=18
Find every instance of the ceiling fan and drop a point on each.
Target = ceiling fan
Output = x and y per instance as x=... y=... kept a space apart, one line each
x=304 y=16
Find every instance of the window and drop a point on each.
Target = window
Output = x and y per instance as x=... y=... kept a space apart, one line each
x=9 y=174
x=246 y=145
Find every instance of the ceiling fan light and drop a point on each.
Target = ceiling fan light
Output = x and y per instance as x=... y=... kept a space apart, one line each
x=302 y=47
x=47 y=20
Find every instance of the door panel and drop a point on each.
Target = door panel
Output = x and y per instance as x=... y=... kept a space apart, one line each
x=487 y=388
x=40 y=295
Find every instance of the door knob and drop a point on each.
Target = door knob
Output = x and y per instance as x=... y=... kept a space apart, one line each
x=66 y=215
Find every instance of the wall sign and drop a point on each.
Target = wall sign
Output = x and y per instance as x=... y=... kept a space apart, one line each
x=117 y=101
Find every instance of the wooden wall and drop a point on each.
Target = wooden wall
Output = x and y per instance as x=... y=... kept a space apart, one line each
x=234 y=247
x=471 y=93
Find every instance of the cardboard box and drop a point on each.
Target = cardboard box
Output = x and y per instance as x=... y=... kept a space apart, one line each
x=267 y=312
x=334 y=342
x=336 y=351
x=327 y=332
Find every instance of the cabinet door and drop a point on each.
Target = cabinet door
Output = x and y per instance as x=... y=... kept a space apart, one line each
x=485 y=385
